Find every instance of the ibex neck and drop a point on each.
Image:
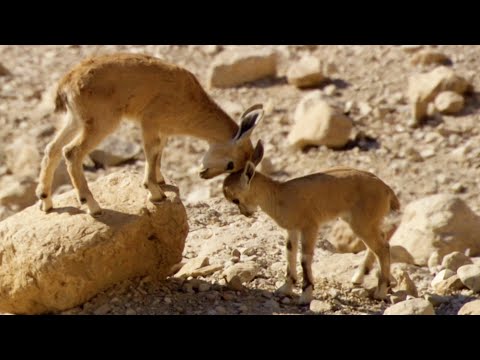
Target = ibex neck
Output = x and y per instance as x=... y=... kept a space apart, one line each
x=266 y=191
x=213 y=124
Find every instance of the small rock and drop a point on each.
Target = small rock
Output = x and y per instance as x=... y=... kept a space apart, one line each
x=429 y=57
x=236 y=253
x=360 y=292
x=246 y=272
x=286 y=300
x=221 y=310
x=411 y=307
x=306 y=73
x=243 y=308
x=317 y=123
x=470 y=308
x=455 y=260
x=319 y=306
x=4 y=71
x=102 y=310
x=204 y=287
x=449 y=102
x=453 y=283
x=250 y=251
x=441 y=276
x=364 y=108
x=206 y=270
x=235 y=283
x=405 y=283
x=167 y=300
x=130 y=312
x=470 y=276
x=435 y=299
x=330 y=90
x=411 y=48
x=192 y=265
x=233 y=68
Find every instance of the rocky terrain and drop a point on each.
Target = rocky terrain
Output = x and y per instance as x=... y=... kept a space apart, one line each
x=409 y=114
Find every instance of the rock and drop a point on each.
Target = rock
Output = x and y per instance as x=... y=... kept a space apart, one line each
x=206 y=270
x=319 y=306
x=204 y=287
x=330 y=90
x=360 y=292
x=102 y=310
x=447 y=286
x=245 y=271
x=411 y=307
x=470 y=276
x=455 y=260
x=130 y=312
x=442 y=223
x=192 y=265
x=344 y=239
x=233 y=67
x=17 y=193
x=449 y=102
x=115 y=151
x=4 y=71
x=235 y=283
x=411 y=48
x=306 y=73
x=470 y=308
x=441 y=276
x=423 y=88
x=405 y=283
x=22 y=157
x=65 y=257
x=436 y=300
x=317 y=123
x=429 y=57
x=250 y=251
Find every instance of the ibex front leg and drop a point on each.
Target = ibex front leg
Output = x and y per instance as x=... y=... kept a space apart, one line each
x=309 y=236
x=291 y=273
x=152 y=146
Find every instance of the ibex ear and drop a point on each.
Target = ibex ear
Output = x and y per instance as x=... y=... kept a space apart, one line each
x=247 y=174
x=250 y=118
x=257 y=155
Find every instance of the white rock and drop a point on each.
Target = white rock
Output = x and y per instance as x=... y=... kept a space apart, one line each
x=449 y=102
x=455 y=260
x=411 y=307
x=317 y=123
x=441 y=276
x=470 y=308
x=423 y=88
x=442 y=223
x=235 y=67
x=470 y=276
x=306 y=73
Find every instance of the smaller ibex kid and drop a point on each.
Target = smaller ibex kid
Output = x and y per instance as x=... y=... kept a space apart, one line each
x=301 y=205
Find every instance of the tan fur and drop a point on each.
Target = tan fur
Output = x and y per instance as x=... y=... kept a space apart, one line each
x=163 y=98
x=301 y=205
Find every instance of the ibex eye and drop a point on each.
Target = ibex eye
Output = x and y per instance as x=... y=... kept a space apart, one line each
x=236 y=201
x=230 y=165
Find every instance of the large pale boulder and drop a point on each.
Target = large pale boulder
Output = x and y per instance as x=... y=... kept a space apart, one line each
x=55 y=261
x=307 y=72
x=437 y=225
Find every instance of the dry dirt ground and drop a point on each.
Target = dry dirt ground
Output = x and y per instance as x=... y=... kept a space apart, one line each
x=373 y=75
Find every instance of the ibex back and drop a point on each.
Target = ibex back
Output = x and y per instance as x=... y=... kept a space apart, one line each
x=163 y=98
x=301 y=205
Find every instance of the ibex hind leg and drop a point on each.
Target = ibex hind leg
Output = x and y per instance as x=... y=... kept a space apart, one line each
x=51 y=159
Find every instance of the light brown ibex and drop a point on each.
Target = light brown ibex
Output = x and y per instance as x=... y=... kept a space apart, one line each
x=301 y=205
x=163 y=98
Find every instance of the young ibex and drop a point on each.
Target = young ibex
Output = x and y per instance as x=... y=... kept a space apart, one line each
x=163 y=98
x=301 y=205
